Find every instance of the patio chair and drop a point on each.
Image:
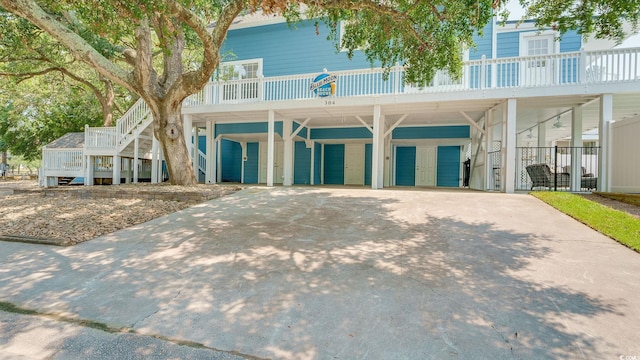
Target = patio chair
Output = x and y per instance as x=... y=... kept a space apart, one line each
x=542 y=176
x=588 y=180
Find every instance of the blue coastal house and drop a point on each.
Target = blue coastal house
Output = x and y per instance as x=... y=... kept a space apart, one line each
x=286 y=108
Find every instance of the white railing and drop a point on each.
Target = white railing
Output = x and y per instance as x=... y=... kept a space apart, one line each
x=572 y=68
x=62 y=160
x=202 y=161
x=100 y=137
x=132 y=118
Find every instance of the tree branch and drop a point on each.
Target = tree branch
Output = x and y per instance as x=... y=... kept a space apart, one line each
x=79 y=47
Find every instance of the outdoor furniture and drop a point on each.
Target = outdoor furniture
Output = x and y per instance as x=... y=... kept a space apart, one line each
x=542 y=176
x=588 y=181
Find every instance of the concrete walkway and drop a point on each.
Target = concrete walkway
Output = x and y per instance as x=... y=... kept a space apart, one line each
x=323 y=273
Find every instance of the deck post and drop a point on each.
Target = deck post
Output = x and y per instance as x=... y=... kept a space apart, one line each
x=287 y=129
x=604 y=165
x=136 y=151
x=542 y=142
x=117 y=169
x=88 y=177
x=270 y=146
x=576 y=143
x=210 y=172
x=488 y=146
x=377 y=155
x=509 y=146
x=155 y=162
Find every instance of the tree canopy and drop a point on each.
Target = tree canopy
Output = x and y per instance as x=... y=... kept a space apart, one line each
x=145 y=45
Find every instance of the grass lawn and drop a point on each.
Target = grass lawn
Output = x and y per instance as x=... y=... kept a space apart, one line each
x=616 y=224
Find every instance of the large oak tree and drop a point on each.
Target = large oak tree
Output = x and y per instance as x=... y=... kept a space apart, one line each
x=150 y=37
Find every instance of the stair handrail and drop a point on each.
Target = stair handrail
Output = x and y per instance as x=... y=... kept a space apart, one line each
x=132 y=118
x=202 y=161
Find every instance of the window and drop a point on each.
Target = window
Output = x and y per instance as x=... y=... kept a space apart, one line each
x=243 y=80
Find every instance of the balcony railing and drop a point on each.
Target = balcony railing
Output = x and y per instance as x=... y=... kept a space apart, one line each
x=100 y=137
x=63 y=160
x=572 y=68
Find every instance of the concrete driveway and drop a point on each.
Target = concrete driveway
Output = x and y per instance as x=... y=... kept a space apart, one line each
x=339 y=273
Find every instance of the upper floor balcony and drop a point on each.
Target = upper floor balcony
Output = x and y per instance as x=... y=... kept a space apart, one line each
x=584 y=68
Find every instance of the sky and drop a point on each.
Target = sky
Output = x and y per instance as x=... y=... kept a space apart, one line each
x=516 y=13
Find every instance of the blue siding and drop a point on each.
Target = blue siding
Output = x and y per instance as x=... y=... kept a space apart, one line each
x=296 y=50
x=341 y=133
x=368 y=152
x=202 y=144
x=483 y=44
x=252 y=164
x=508 y=44
x=432 y=132
x=247 y=128
x=231 y=161
x=317 y=163
x=448 y=166
x=334 y=164
x=570 y=41
x=406 y=165
x=302 y=164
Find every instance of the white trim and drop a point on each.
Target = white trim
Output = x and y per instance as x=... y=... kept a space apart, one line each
x=526 y=36
x=260 y=61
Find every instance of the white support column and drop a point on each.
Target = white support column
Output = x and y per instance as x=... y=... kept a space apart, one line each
x=116 y=170
x=126 y=169
x=377 y=156
x=243 y=147
x=321 y=163
x=194 y=152
x=489 y=181
x=218 y=168
x=509 y=146
x=576 y=142
x=542 y=142
x=88 y=177
x=312 y=172
x=270 y=146
x=210 y=173
x=287 y=172
x=388 y=168
x=188 y=131
x=604 y=165
x=136 y=151
x=155 y=161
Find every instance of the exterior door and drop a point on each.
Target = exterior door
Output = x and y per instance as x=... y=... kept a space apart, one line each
x=278 y=162
x=242 y=77
x=354 y=164
x=538 y=71
x=425 y=166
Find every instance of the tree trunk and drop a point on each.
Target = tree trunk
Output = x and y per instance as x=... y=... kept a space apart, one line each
x=168 y=129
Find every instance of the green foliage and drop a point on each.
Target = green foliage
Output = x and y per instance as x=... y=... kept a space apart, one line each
x=423 y=36
x=603 y=18
x=39 y=110
x=616 y=224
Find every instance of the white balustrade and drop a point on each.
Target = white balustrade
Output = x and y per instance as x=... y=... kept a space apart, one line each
x=571 y=68
x=67 y=160
x=100 y=137
x=131 y=119
x=202 y=161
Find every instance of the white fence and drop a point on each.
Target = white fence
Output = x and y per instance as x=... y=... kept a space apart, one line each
x=100 y=138
x=625 y=147
x=62 y=162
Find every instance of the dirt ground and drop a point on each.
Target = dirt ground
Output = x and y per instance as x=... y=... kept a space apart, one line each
x=68 y=220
